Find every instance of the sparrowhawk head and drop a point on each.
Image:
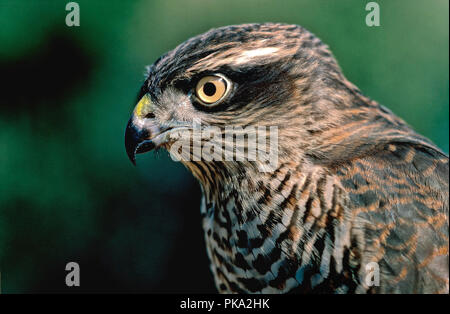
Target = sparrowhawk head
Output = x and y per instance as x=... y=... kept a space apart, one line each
x=257 y=75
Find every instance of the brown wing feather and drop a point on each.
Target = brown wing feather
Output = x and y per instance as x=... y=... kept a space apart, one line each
x=400 y=199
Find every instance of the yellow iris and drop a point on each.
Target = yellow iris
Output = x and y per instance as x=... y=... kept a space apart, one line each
x=211 y=89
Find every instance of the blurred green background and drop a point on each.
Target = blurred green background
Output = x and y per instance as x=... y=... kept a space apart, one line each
x=67 y=189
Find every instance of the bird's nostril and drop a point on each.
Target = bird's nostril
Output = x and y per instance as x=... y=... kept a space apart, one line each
x=150 y=115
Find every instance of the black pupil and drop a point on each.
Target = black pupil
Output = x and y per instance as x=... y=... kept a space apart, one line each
x=209 y=89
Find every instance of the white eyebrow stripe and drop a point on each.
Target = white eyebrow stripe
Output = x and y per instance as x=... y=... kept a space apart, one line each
x=259 y=52
x=255 y=53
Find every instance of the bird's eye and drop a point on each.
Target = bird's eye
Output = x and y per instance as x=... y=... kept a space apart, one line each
x=210 y=90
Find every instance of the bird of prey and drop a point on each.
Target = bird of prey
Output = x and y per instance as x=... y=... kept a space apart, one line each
x=357 y=202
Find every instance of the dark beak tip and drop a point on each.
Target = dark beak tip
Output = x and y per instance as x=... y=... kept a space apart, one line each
x=132 y=156
x=133 y=160
x=137 y=142
x=131 y=142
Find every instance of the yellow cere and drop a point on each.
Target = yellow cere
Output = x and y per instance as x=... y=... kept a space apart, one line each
x=143 y=107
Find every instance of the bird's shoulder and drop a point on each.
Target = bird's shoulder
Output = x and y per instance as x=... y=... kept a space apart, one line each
x=398 y=198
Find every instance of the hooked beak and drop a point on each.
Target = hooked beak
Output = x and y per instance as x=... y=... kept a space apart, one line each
x=141 y=129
